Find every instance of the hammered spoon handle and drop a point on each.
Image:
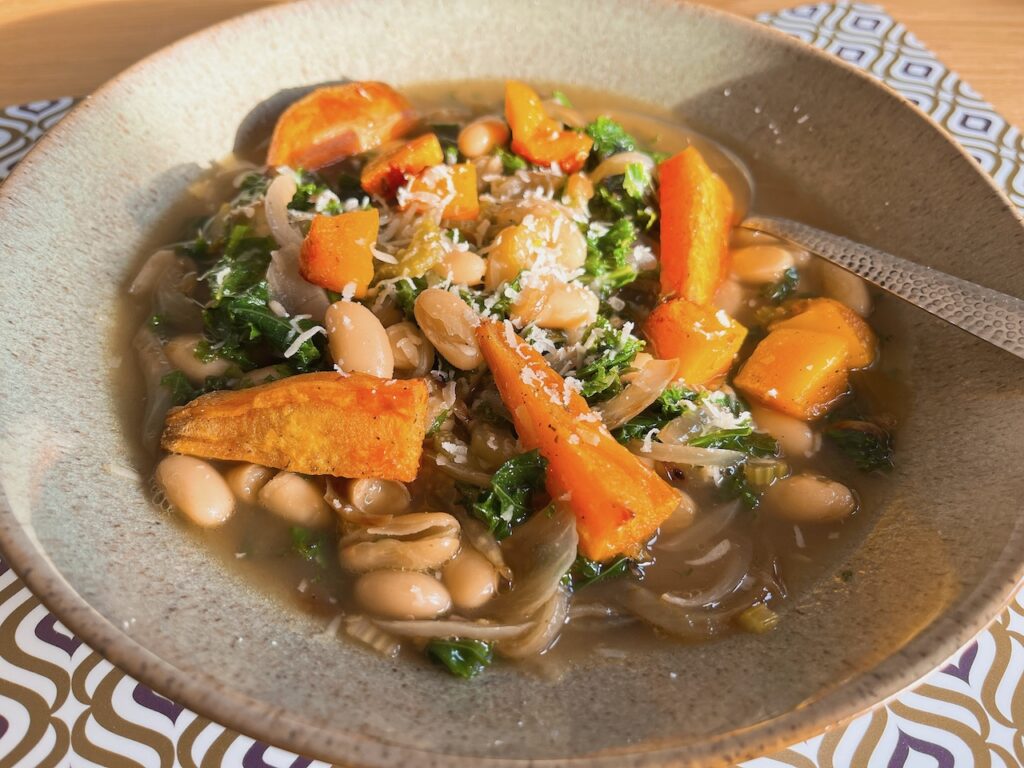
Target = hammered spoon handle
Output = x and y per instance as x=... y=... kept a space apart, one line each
x=995 y=317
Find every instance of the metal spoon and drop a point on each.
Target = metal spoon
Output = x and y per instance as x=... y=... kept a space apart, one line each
x=990 y=315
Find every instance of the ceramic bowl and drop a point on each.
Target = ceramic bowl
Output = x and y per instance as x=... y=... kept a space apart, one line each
x=941 y=555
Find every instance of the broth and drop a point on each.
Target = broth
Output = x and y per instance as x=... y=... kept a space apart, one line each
x=777 y=558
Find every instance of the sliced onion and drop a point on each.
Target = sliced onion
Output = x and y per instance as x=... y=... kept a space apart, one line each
x=548 y=624
x=471 y=630
x=643 y=389
x=697 y=536
x=463 y=472
x=717 y=552
x=685 y=454
x=735 y=577
x=148 y=276
x=292 y=290
x=155 y=366
x=275 y=205
x=539 y=552
x=682 y=428
x=365 y=631
x=616 y=165
x=687 y=624
x=483 y=541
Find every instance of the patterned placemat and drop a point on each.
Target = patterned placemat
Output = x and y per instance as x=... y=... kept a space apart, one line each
x=61 y=703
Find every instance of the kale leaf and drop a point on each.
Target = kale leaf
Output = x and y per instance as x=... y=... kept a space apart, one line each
x=783 y=289
x=609 y=138
x=407 y=289
x=614 y=200
x=510 y=162
x=734 y=485
x=612 y=355
x=180 y=387
x=584 y=571
x=507 y=503
x=870 y=448
x=743 y=439
x=310 y=545
x=668 y=405
x=462 y=657
x=242 y=265
x=608 y=257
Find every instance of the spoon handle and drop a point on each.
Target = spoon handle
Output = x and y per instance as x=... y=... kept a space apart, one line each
x=990 y=315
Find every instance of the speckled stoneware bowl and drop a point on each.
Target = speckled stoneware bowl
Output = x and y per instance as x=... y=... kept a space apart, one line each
x=938 y=561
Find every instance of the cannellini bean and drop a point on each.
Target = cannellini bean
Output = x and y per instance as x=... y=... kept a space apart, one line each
x=402 y=595
x=807 y=498
x=412 y=353
x=246 y=481
x=181 y=352
x=449 y=323
x=295 y=499
x=417 y=541
x=616 y=165
x=492 y=446
x=760 y=264
x=482 y=135
x=470 y=578
x=554 y=304
x=846 y=288
x=378 y=497
x=196 y=489
x=358 y=341
x=462 y=268
x=797 y=438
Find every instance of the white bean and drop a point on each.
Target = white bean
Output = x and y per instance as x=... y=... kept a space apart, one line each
x=358 y=341
x=449 y=324
x=760 y=264
x=402 y=595
x=181 y=352
x=295 y=499
x=482 y=135
x=412 y=353
x=555 y=304
x=809 y=498
x=378 y=497
x=846 y=288
x=470 y=578
x=196 y=489
x=462 y=268
x=796 y=437
x=246 y=480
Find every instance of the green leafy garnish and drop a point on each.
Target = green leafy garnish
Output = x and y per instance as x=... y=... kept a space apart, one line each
x=584 y=571
x=181 y=388
x=612 y=201
x=659 y=413
x=608 y=257
x=783 y=289
x=307 y=193
x=407 y=289
x=734 y=485
x=612 y=355
x=510 y=162
x=242 y=265
x=310 y=545
x=636 y=181
x=463 y=658
x=743 y=439
x=671 y=400
x=507 y=503
x=562 y=99
x=438 y=422
x=609 y=138
x=868 y=445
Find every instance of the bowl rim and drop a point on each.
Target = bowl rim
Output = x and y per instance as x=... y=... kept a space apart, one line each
x=262 y=719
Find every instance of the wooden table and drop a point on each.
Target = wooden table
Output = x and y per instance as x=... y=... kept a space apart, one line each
x=68 y=47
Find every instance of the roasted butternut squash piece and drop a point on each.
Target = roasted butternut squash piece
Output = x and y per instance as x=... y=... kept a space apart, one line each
x=536 y=136
x=313 y=423
x=392 y=169
x=704 y=341
x=338 y=121
x=696 y=216
x=618 y=502
x=831 y=316
x=338 y=251
x=455 y=183
x=796 y=371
